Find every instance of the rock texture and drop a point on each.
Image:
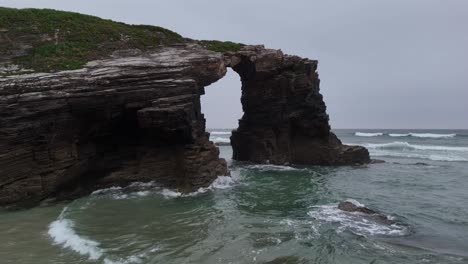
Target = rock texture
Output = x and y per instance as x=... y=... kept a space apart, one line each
x=135 y=117
x=285 y=119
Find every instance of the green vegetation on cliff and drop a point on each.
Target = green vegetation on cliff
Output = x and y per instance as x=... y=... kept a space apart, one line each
x=49 y=40
x=221 y=46
x=46 y=40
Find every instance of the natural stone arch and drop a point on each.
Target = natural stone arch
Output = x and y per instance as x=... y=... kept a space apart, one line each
x=285 y=119
x=137 y=117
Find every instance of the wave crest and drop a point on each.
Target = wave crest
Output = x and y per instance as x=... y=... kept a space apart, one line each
x=362 y=134
x=398 y=145
x=220 y=133
x=423 y=135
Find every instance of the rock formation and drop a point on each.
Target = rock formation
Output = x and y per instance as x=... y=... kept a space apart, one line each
x=285 y=119
x=131 y=118
x=135 y=115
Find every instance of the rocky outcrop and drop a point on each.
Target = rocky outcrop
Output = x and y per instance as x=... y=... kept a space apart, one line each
x=285 y=119
x=136 y=117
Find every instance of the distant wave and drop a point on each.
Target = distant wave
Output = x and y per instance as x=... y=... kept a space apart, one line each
x=417 y=135
x=423 y=135
x=362 y=134
x=220 y=140
x=407 y=150
x=220 y=133
x=407 y=146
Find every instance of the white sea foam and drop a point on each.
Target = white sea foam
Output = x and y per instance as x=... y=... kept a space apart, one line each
x=62 y=232
x=407 y=150
x=420 y=156
x=355 y=222
x=405 y=145
x=270 y=167
x=399 y=135
x=362 y=134
x=430 y=135
x=222 y=182
x=167 y=193
x=220 y=140
x=140 y=189
x=107 y=190
x=220 y=133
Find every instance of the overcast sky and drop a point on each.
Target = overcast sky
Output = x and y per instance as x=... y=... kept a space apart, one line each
x=382 y=64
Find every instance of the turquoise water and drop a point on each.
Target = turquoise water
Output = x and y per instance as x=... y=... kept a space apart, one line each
x=269 y=214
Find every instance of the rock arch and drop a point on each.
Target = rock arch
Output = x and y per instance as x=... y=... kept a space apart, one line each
x=137 y=117
x=285 y=119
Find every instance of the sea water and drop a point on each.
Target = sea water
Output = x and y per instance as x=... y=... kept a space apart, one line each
x=270 y=213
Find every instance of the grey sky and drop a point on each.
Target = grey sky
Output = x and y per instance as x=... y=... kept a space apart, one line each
x=383 y=64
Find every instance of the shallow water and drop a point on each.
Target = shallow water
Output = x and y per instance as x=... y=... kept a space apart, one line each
x=268 y=214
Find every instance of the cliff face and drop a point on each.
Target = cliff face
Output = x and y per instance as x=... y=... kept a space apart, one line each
x=285 y=119
x=134 y=114
x=131 y=118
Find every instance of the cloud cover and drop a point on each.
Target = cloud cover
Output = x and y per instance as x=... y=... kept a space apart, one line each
x=383 y=64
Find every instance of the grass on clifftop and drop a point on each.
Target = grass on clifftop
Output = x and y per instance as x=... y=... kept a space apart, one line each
x=221 y=46
x=49 y=40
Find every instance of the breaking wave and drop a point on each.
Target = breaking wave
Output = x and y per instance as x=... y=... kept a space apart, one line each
x=62 y=232
x=270 y=167
x=356 y=222
x=407 y=150
x=139 y=189
x=362 y=134
x=220 y=133
x=397 y=145
x=417 y=135
x=423 y=135
x=220 y=140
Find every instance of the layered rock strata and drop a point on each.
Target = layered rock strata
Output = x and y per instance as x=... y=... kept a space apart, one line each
x=137 y=117
x=285 y=119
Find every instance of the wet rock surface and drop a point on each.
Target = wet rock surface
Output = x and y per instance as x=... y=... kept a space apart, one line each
x=379 y=217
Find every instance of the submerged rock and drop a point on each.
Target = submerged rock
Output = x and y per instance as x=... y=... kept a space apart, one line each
x=348 y=206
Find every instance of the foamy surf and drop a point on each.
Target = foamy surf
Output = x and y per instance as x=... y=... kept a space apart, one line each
x=406 y=145
x=356 y=222
x=362 y=134
x=220 y=140
x=220 y=133
x=270 y=167
x=63 y=234
x=62 y=231
x=423 y=135
x=139 y=189
x=407 y=150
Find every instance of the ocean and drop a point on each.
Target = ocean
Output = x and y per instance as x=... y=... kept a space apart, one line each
x=270 y=213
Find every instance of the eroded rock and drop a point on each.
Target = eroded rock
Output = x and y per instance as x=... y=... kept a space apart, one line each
x=285 y=119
